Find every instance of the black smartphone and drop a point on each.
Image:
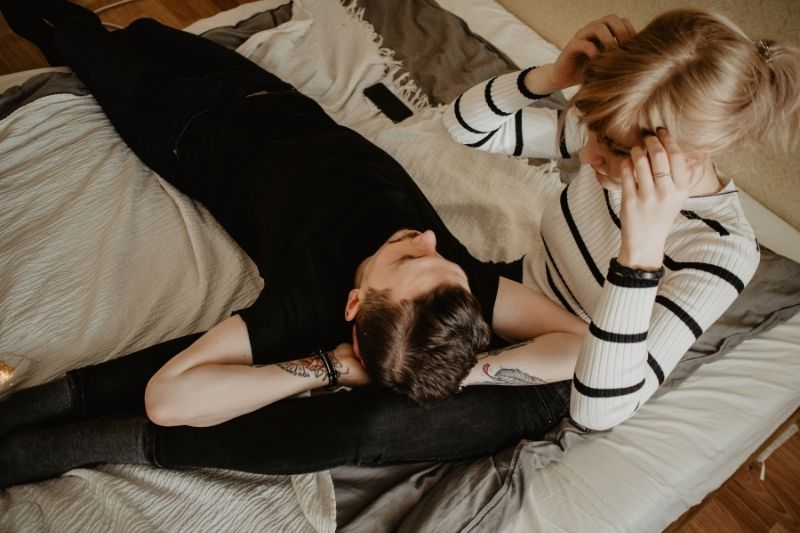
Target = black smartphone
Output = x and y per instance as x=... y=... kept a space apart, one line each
x=387 y=102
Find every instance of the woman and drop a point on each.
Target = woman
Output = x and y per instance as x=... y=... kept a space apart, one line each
x=649 y=244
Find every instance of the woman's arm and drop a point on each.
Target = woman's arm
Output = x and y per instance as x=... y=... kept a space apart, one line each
x=495 y=115
x=641 y=326
x=213 y=380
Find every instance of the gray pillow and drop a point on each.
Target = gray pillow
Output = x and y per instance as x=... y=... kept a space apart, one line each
x=771 y=298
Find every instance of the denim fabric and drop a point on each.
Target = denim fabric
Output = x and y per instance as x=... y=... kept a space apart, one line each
x=368 y=426
x=118 y=386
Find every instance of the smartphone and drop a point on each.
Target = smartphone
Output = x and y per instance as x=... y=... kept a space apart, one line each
x=387 y=102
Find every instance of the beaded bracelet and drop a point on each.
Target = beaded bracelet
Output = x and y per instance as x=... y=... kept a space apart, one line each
x=635 y=273
x=330 y=370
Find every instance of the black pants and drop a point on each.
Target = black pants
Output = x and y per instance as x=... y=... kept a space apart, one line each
x=365 y=426
x=154 y=83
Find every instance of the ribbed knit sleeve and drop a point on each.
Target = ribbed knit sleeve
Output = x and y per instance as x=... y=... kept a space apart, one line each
x=640 y=330
x=496 y=116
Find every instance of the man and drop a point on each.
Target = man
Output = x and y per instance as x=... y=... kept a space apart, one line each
x=330 y=220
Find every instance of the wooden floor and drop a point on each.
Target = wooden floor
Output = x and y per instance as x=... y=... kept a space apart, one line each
x=16 y=54
x=744 y=504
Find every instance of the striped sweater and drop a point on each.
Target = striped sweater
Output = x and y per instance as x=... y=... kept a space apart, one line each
x=638 y=329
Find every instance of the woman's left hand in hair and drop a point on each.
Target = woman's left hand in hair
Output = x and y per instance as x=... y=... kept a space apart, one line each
x=655 y=187
x=597 y=36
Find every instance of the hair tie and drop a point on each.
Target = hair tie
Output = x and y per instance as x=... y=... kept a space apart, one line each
x=764 y=50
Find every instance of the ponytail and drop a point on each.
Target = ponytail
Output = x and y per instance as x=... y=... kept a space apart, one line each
x=779 y=93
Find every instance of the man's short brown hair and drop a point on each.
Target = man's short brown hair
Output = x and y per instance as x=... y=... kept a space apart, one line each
x=423 y=347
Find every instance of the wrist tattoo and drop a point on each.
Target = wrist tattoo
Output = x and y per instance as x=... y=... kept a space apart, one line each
x=338 y=364
x=511 y=376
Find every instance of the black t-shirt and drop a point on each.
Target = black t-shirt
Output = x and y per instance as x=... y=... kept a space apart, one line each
x=309 y=200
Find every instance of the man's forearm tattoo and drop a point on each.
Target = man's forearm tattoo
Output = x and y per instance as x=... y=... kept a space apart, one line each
x=498 y=351
x=511 y=376
x=303 y=368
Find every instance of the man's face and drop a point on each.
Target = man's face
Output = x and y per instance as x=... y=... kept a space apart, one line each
x=408 y=265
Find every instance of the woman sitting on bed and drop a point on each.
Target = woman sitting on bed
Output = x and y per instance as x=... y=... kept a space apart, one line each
x=648 y=244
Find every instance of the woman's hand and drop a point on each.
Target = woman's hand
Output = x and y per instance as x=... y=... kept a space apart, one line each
x=602 y=34
x=351 y=370
x=655 y=187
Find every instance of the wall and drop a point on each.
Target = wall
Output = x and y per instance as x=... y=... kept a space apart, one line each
x=771 y=177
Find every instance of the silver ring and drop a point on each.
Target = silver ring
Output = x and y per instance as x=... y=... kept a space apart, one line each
x=661 y=175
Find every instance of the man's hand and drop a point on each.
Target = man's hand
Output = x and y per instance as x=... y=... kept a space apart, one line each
x=351 y=370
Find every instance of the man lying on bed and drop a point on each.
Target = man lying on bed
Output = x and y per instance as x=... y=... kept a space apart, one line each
x=320 y=210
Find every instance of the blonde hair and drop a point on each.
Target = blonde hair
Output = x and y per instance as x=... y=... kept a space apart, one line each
x=698 y=75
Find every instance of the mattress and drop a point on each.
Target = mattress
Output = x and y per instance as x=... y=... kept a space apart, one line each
x=655 y=466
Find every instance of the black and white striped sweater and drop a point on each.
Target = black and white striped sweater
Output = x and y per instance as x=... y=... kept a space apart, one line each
x=638 y=330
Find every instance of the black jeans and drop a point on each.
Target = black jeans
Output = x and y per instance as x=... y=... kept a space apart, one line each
x=366 y=426
x=153 y=82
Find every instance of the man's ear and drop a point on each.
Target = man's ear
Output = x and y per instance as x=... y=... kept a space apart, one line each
x=353 y=305
x=356 y=349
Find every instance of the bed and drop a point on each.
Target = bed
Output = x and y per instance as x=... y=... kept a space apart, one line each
x=101 y=257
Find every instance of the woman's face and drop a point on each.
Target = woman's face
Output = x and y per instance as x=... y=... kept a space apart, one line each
x=605 y=157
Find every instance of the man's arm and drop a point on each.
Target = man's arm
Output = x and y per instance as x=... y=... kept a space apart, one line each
x=213 y=380
x=549 y=340
x=546 y=359
x=520 y=314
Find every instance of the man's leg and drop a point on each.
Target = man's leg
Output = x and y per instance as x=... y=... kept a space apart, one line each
x=196 y=56
x=116 y=386
x=35 y=454
x=369 y=426
x=34 y=20
x=152 y=97
x=148 y=103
